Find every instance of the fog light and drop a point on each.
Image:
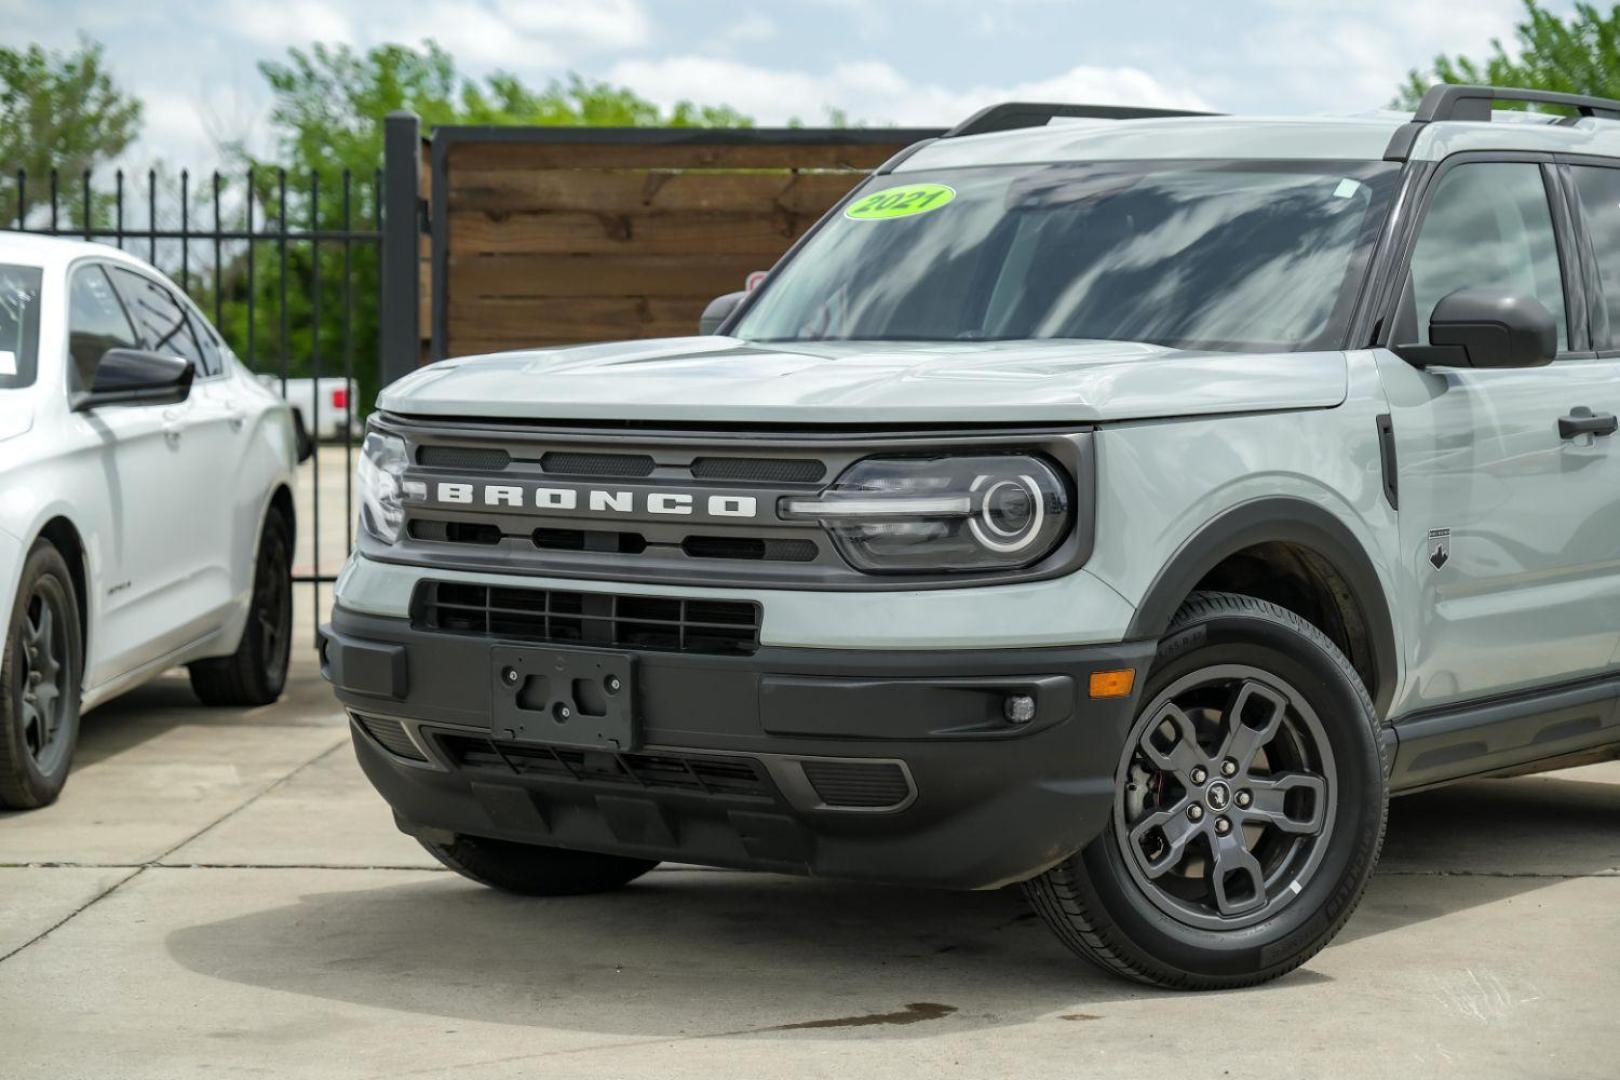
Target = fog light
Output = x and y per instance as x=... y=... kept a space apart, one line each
x=1018 y=708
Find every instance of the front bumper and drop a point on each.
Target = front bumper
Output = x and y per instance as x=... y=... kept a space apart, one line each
x=891 y=766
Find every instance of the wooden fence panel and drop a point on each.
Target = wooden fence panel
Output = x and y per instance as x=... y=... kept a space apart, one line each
x=551 y=236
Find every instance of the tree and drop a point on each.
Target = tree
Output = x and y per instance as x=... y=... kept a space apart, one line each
x=328 y=109
x=62 y=111
x=1577 y=56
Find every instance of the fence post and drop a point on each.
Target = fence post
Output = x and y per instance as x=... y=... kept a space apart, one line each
x=399 y=336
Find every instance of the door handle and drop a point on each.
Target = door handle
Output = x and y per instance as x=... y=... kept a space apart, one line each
x=1583 y=421
x=172 y=427
x=235 y=419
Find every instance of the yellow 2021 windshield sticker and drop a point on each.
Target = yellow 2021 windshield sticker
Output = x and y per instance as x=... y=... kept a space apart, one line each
x=898 y=202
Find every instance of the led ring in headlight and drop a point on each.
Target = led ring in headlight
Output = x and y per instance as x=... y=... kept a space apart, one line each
x=931 y=515
x=1010 y=515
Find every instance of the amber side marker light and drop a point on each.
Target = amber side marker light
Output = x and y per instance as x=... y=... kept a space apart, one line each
x=1112 y=683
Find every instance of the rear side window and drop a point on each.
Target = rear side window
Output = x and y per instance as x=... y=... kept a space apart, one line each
x=1599 y=191
x=96 y=322
x=1489 y=224
x=19 y=325
x=160 y=319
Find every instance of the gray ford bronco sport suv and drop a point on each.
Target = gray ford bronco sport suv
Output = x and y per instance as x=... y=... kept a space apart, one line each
x=1123 y=507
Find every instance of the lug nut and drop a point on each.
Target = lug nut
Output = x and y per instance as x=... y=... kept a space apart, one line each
x=613 y=684
x=1199 y=775
x=1244 y=799
x=1223 y=826
x=1195 y=812
x=1228 y=767
x=509 y=676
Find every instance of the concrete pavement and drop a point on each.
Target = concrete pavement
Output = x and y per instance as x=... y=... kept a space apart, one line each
x=221 y=893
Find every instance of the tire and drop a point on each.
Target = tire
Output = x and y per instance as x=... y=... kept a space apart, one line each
x=256 y=673
x=1160 y=900
x=533 y=870
x=40 y=674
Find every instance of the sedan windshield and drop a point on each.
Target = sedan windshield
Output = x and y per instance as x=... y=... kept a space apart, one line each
x=1250 y=255
x=19 y=324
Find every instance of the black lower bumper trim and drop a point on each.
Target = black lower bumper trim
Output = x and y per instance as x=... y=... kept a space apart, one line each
x=919 y=778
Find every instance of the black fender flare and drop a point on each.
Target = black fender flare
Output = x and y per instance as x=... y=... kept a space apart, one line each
x=1286 y=520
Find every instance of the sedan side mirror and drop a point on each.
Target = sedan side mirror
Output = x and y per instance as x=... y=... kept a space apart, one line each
x=1486 y=328
x=135 y=377
x=719 y=310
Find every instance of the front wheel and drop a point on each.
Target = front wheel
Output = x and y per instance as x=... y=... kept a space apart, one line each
x=1249 y=807
x=39 y=683
x=256 y=672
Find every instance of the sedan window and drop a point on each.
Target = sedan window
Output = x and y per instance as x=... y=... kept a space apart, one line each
x=159 y=317
x=19 y=325
x=96 y=322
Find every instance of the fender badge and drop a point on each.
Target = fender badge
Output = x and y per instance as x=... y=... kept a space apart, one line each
x=1439 y=547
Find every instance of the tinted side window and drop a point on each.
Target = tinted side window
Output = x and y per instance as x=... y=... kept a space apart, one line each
x=1599 y=191
x=1488 y=224
x=159 y=317
x=212 y=347
x=96 y=323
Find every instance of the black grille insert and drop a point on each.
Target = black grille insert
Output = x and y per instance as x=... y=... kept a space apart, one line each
x=730 y=776
x=621 y=543
x=749 y=547
x=457 y=532
x=864 y=785
x=391 y=734
x=759 y=470
x=669 y=624
x=580 y=464
x=463 y=457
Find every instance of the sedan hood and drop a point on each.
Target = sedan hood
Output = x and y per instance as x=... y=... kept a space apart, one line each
x=718 y=379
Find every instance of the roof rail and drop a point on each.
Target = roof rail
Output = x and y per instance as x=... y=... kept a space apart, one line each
x=1451 y=102
x=1026 y=114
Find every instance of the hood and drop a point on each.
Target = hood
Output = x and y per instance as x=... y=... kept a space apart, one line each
x=720 y=379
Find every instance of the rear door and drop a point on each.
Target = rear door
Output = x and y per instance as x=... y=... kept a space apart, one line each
x=1594 y=187
x=1514 y=580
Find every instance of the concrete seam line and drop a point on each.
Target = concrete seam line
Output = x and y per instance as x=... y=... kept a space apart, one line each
x=223 y=818
x=49 y=930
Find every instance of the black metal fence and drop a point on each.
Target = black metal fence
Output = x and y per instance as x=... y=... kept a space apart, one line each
x=286 y=266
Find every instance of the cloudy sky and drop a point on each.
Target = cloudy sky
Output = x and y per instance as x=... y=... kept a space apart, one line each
x=880 y=61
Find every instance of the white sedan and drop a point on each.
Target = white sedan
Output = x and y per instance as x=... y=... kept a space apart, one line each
x=146 y=509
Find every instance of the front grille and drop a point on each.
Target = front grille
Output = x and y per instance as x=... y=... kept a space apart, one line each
x=621 y=543
x=729 y=776
x=581 y=464
x=463 y=457
x=391 y=734
x=749 y=547
x=861 y=785
x=456 y=532
x=759 y=470
x=668 y=624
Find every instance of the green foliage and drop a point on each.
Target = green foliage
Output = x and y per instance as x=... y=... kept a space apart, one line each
x=1577 y=56
x=62 y=111
x=328 y=111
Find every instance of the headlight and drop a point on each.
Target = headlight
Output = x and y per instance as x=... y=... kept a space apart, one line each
x=923 y=515
x=382 y=464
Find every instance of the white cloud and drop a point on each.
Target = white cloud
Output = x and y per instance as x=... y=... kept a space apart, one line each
x=475 y=35
x=601 y=24
x=290 y=22
x=874 y=92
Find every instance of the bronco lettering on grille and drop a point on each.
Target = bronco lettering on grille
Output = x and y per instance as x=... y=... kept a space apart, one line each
x=594 y=501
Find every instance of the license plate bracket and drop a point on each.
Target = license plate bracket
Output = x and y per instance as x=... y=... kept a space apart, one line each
x=563 y=697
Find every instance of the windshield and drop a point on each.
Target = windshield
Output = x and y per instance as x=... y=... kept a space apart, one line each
x=19 y=324
x=1244 y=255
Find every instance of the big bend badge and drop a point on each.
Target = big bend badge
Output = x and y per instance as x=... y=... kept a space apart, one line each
x=1439 y=547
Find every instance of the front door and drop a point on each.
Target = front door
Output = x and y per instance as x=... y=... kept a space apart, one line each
x=1511 y=585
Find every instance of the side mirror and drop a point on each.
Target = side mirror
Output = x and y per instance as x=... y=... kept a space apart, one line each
x=134 y=377
x=719 y=310
x=1486 y=328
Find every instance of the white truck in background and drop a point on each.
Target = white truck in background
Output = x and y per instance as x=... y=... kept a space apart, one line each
x=324 y=407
